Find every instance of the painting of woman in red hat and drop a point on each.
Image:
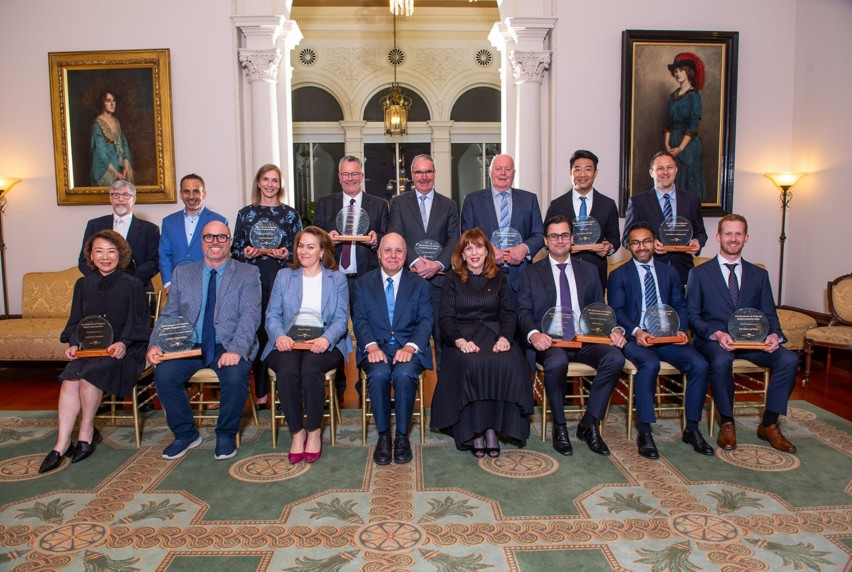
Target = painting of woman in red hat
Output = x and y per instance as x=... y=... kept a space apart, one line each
x=683 y=114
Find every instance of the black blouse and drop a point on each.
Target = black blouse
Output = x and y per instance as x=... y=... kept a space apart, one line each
x=478 y=302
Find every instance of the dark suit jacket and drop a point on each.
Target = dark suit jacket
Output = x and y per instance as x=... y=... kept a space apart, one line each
x=443 y=226
x=537 y=291
x=174 y=250
x=478 y=210
x=603 y=211
x=624 y=295
x=646 y=207
x=325 y=217
x=710 y=305
x=143 y=238
x=412 y=316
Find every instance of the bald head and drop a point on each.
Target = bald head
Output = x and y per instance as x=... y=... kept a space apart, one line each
x=392 y=253
x=216 y=243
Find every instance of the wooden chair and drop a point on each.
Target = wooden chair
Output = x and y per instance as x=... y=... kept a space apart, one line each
x=668 y=397
x=333 y=413
x=838 y=333
x=200 y=387
x=578 y=373
x=752 y=385
x=367 y=412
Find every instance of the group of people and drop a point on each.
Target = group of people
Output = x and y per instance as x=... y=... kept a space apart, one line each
x=417 y=269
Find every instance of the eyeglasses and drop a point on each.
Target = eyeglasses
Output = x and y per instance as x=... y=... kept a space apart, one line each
x=353 y=175
x=423 y=173
x=557 y=237
x=636 y=243
x=209 y=238
x=122 y=196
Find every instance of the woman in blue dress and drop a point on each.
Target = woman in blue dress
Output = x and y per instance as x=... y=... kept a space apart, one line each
x=111 y=160
x=683 y=114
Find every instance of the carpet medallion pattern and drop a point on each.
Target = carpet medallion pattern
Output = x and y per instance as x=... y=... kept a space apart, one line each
x=127 y=509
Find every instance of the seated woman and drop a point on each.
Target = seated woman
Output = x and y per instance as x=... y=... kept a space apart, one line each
x=311 y=287
x=484 y=385
x=121 y=299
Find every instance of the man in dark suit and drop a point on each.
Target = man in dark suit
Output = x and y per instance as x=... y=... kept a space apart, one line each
x=142 y=236
x=585 y=201
x=561 y=280
x=221 y=297
x=355 y=259
x=664 y=201
x=180 y=242
x=715 y=290
x=421 y=215
x=392 y=318
x=502 y=206
x=633 y=287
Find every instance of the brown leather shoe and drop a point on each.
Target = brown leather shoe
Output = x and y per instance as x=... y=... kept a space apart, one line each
x=775 y=438
x=727 y=439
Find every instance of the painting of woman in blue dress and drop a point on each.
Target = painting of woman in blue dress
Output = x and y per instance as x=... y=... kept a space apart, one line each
x=683 y=114
x=111 y=159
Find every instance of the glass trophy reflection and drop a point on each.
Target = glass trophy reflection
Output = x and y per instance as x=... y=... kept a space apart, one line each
x=748 y=327
x=94 y=336
x=353 y=224
x=176 y=338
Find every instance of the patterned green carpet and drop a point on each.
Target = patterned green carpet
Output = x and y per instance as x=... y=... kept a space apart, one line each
x=128 y=509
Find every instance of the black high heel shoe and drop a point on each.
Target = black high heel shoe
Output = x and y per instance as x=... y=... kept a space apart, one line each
x=84 y=449
x=54 y=459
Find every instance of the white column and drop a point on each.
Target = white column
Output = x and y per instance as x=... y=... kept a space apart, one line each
x=261 y=67
x=354 y=138
x=442 y=155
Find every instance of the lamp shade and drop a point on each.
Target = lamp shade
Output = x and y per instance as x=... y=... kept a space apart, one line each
x=7 y=183
x=784 y=180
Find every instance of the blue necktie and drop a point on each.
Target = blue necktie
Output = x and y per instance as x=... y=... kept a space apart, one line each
x=423 y=215
x=505 y=219
x=733 y=286
x=564 y=287
x=667 y=207
x=390 y=299
x=584 y=214
x=208 y=329
x=650 y=287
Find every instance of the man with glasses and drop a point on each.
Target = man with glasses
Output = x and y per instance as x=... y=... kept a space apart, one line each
x=221 y=298
x=560 y=280
x=180 y=242
x=583 y=201
x=633 y=288
x=141 y=235
x=424 y=215
x=664 y=202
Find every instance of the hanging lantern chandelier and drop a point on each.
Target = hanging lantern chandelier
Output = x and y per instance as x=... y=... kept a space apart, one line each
x=395 y=104
x=402 y=7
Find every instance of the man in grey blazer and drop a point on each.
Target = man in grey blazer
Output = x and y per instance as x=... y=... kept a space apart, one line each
x=222 y=298
x=425 y=214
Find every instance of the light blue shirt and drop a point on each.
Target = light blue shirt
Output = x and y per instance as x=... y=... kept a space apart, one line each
x=672 y=197
x=642 y=285
x=498 y=201
x=190 y=224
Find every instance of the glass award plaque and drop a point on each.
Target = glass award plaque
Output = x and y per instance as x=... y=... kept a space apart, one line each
x=94 y=336
x=265 y=235
x=586 y=234
x=175 y=336
x=428 y=249
x=663 y=324
x=353 y=225
x=597 y=321
x=675 y=234
x=304 y=326
x=749 y=328
x=558 y=323
x=506 y=237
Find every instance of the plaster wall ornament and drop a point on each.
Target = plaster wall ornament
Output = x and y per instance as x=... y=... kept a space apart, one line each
x=530 y=66
x=352 y=64
x=439 y=64
x=260 y=65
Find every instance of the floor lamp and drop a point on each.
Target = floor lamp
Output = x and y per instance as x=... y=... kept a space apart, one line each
x=784 y=181
x=6 y=183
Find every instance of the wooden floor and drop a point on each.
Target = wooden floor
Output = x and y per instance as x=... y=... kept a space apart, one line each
x=33 y=387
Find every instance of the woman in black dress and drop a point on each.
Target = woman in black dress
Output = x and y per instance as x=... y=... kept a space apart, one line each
x=121 y=299
x=484 y=385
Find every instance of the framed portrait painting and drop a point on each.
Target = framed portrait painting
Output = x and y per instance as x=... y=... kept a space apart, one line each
x=112 y=120
x=679 y=94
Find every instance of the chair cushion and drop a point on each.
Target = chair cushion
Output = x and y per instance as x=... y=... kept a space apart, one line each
x=837 y=335
x=25 y=340
x=794 y=325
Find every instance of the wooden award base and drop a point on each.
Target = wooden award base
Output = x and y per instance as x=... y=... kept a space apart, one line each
x=593 y=339
x=303 y=346
x=178 y=355
x=684 y=248
x=353 y=238
x=667 y=339
x=749 y=345
x=584 y=247
x=569 y=344
x=103 y=352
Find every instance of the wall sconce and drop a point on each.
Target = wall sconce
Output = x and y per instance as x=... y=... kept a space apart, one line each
x=6 y=183
x=784 y=181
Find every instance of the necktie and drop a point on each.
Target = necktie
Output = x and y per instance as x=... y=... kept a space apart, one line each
x=346 y=253
x=667 y=207
x=118 y=226
x=423 y=215
x=584 y=214
x=564 y=287
x=208 y=330
x=504 y=209
x=733 y=286
x=390 y=299
x=650 y=287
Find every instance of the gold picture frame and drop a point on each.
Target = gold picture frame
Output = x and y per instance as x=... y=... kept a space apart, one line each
x=98 y=139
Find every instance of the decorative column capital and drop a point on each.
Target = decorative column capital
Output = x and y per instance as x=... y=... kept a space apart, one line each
x=260 y=64
x=530 y=66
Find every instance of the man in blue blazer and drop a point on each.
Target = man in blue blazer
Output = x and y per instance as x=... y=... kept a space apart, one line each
x=226 y=323
x=651 y=205
x=180 y=243
x=715 y=290
x=550 y=283
x=392 y=318
x=584 y=170
x=490 y=209
x=142 y=236
x=632 y=288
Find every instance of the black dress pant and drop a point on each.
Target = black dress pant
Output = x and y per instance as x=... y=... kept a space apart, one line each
x=301 y=379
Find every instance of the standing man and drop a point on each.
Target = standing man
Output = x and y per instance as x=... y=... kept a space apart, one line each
x=583 y=201
x=633 y=288
x=392 y=317
x=562 y=280
x=665 y=202
x=221 y=297
x=718 y=288
x=354 y=258
x=422 y=215
x=141 y=235
x=502 y=206
x=180 y=242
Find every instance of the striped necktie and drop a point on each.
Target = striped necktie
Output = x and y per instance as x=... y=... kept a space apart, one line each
x=667 y=207
x=650 y=287
x=733 y=286
x=504 y=209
